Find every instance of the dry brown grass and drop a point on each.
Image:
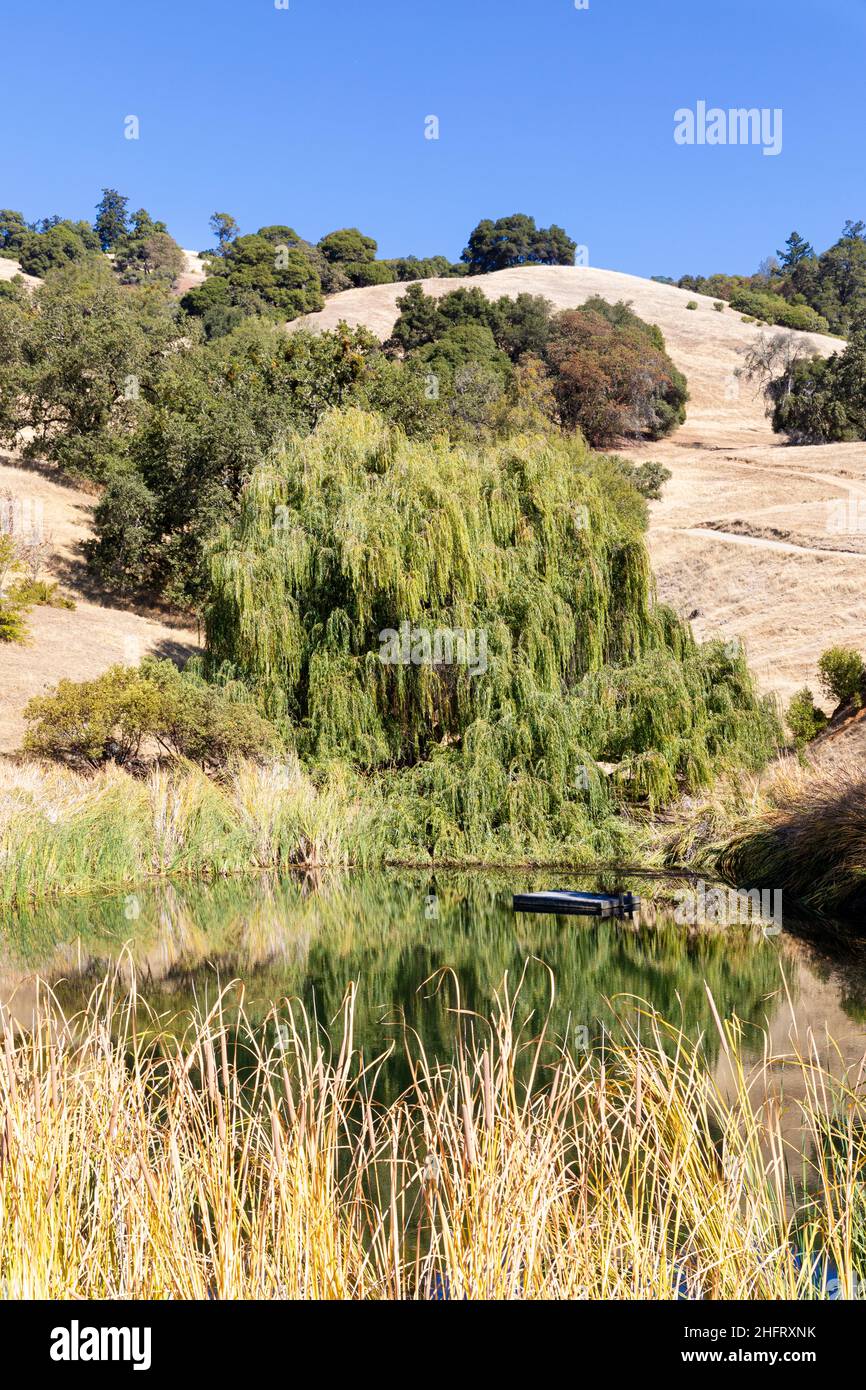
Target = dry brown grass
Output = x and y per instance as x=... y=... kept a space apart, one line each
x=251 y=1163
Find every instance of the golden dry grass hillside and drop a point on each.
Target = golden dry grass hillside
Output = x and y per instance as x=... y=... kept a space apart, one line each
x=753 y=539
x=77 y=643
x=746 y=541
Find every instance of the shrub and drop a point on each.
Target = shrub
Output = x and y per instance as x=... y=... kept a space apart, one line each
x=39 y=592
x=113 y=717
x=612 y=377
x=842 y=673
x=12 y=625
x=772 y=308
x=719 y=306
x=804 y=718
x=692 y=304
x=363 y=273
x=12 y=628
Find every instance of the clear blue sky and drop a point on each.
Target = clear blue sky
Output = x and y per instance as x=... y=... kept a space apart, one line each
x=314 y=116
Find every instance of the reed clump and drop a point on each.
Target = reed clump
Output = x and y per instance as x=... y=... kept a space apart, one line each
x=797 y=829
x=67 y=832
x=808 y=838
x=64 y=832
x=242 y=1162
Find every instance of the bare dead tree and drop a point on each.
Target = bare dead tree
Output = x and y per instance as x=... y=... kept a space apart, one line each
x=770 y=364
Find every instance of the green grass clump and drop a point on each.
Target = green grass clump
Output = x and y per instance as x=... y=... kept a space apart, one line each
x=63 y=832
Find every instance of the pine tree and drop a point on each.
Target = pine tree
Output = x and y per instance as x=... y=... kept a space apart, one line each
x=110 y=224
x=796 y=250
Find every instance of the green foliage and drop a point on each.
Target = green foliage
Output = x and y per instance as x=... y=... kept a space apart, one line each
x=348 y=246
x=32 y=593
x=126 y=552
x=819 y=400
x=419 y=320
x=649 y=478
x=842 y=673
x=597 y=358
x=834 y=283
x=804 y=718
x=111 y=218
x=692 y=304
x=113 y=717
x=425 y=268
x=630 y=481
x=796 y=249
x=59 y=244
x=210 y=419
x=516 y=240
x=76 y=360
x=15 y=291
x=464 y=344
x=269 y=271
x=225 y=229
x=147 y=252
x=354 y=543
x=360 y=273
x=772 y=308
x=12 y=625
x=802 y=291
x=12 y=230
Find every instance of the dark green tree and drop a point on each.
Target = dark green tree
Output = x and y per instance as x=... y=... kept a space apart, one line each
x=797 y=249
x=62 y=242
x=77 y=360
x=147 y=252
x=225 y=229
x=348 y=245
x=271 y=269
x=516 y=240
x=111 y=218
x=419 y=320
x=12 y=229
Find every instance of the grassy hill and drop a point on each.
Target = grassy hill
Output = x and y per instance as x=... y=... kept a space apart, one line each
x=743 y=538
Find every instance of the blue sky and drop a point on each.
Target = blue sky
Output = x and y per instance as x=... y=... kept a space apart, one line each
x=314 y=116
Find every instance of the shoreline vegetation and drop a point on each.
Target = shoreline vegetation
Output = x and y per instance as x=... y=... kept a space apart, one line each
x=66 y=833
x=240 y=1161
x=799 y=830
x=309 y=495
x=595 y=712
x=72 y=833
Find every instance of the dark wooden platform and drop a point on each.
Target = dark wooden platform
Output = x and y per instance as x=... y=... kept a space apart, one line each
x=571 y=904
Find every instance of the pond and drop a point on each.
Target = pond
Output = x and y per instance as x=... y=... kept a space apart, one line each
x=417 y=946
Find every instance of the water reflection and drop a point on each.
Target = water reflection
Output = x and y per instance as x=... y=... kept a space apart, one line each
x=390 y=933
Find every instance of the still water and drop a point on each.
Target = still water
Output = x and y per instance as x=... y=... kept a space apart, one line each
x=415 y=947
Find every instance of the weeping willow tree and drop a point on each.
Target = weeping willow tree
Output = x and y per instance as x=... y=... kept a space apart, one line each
x=478 y=626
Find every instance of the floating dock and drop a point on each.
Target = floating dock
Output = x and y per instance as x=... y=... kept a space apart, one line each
x=570 y=904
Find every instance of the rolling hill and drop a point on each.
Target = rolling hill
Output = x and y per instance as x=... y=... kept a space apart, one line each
x=745 y=540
